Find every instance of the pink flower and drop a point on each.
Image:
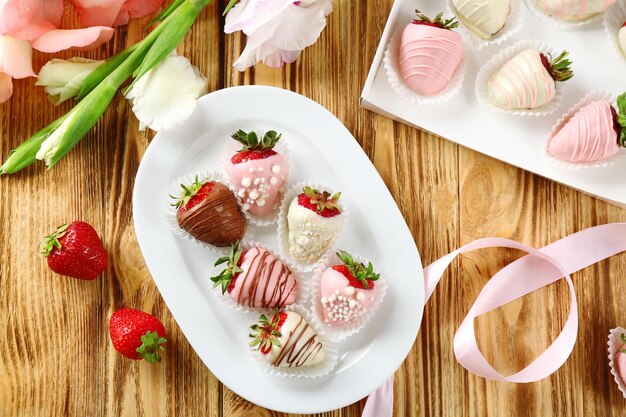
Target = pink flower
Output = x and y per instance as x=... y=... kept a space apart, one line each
x=113 y=12
x=278 y=30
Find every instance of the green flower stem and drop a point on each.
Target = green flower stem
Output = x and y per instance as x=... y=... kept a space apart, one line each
x=99 y=88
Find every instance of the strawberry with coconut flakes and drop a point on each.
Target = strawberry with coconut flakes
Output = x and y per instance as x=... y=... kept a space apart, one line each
x=484 y=18
x=429 y=53
x=75 y=251
x=286 y=340
x=258 y=172
x=347 y=290
x=137 y=335
x=595 y=132
x=314 y=220
x=621 y=38
x=256 y=278
x=209 y=211
x=528 y=80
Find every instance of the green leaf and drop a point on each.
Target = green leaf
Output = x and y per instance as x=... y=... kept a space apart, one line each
x=230 y=5
x=166 y=12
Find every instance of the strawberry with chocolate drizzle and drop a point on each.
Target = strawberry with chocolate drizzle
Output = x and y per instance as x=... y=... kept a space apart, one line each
x=209 y=211
x=286 y=340
x=314 y=220
x=258 y=171
x=256 y=278
x=347 y=289
x=528 y=80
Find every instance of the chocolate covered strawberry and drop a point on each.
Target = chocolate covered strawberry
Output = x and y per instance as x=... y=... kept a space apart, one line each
x=209 y=211
x=256 y=278
x=75 y=251
x=595 y=132
x=314 y=220
x=429 y=53
x=346 y=290
x=528 y=80
x=258 y=172
x=137 y=335
x=286 y=340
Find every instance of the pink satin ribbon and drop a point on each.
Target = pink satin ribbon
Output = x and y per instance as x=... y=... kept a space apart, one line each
x=541 y=267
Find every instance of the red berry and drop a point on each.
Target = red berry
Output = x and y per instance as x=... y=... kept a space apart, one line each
x=231 y=286
x=137 y=335
x=266 y=332
x=75 y=251
x=421 y=22
x=198 y=197
x=624 y=24
x=343 y=269
x=305 y=201
x=250 y=155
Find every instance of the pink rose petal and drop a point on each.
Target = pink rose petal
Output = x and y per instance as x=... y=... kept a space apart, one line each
x=77 y=39
x=6 y=87
x=136 y=8
x=98 y=12
x=15 y=57
x=29 y=19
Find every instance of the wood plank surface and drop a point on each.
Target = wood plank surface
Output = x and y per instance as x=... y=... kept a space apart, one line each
x=55 y=354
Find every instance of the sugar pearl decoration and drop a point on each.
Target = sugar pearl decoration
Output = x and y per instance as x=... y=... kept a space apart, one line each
x=246 y=182
x=344 y=306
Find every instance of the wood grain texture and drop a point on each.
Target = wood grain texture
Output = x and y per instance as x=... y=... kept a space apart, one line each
x=55 y=356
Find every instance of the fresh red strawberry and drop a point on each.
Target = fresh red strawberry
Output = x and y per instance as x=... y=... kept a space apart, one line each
x=267 y=331
x=438 y=22
x=624 y=25
x=137 y=335
x=321 y=203
x=75 y=251
x=358 y=275
x=252 y=147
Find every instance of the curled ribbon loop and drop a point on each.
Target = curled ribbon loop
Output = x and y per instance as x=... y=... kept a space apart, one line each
x=541 y=267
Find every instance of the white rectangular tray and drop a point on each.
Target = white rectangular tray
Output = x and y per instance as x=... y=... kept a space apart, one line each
x=517 y=140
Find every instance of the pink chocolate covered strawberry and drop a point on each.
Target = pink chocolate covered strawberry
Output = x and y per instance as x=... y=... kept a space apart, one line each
x=595 y=132
x=286 y=340
x=429 y=53
x=347 y=290
x=256 y=278
x=258 y=172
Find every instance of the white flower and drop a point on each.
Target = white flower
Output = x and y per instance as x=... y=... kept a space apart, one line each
x=166 y=96
x=62 y=79
x=278 y=30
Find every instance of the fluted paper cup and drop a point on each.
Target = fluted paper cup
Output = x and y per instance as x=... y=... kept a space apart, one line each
x=338 y=333
x=614 y=18
x=557 y=23
x=331 y=357
x=303 y=285
x=615 y=344
x=492 y=66
x=170 y=211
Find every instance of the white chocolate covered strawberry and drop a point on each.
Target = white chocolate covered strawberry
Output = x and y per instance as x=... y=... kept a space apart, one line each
x=528 y=80
x=347 y=290
x=429 y=53
x=483 y=17
x=314 y=220
x=258 y=172
x=592 y=134
x=621 y=38
x=573 y=10
x=286 y=340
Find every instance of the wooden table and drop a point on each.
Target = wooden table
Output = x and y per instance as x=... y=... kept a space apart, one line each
x=55 y=354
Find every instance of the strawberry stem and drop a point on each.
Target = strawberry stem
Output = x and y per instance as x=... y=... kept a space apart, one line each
x=188 y=192
x=251 y=142
x=358 y=270
x=621 y=119
x=52 y=240
x=448 y=24
x=559 y=68
x=226 y=276
x=151 y=345
x=323 y=200
x=265 y=333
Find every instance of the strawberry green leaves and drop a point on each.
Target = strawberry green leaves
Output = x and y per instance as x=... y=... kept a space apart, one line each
x=358 y=270
x=52 y=240
x=151 y=345
x=323 y=200
x=250 y=140
x=188 y=192
x=225 y=278
x=621 y=118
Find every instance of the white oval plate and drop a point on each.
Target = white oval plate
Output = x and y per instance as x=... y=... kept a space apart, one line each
x=322 y=150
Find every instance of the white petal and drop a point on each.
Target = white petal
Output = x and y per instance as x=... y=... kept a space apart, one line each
x=165 y=97
x=51 y=144
x=62 y=79
x=249 y=15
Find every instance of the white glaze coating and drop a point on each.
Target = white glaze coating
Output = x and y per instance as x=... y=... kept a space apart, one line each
x=483 y=17
x=573 y=10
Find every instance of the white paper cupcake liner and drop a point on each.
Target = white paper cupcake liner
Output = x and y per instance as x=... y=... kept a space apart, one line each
x=592 y=96
x=340 y=333
x=321 y=369
x=398 y=84
x=282 y=148
x=283 y=227
x=304 y=286
x=512 y=25
x=615 y=344
x=170 y=211
x=556 y=23
x=614 y=18
x=497 y=61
